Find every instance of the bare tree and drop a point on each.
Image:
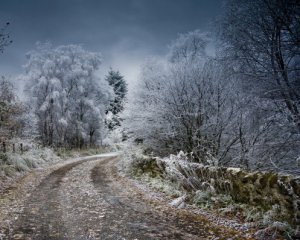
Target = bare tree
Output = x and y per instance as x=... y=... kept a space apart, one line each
x=199 y=104
x=263 y=38
x=4 y=37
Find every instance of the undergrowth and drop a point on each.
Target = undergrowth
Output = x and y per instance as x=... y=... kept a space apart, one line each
x=66 y=153
x=33 y=156
x=170 y=182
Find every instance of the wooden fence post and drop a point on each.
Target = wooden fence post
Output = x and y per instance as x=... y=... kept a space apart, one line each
x=21 y=147
x=4 y=147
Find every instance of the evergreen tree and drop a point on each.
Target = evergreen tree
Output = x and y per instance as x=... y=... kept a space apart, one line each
x=119 y=85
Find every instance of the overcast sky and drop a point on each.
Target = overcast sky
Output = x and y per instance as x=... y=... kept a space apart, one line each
x=124 y=31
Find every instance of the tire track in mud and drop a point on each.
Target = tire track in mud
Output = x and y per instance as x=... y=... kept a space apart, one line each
x=42 y=216
x=131 y=217
x=128 y=218
x=88 y=199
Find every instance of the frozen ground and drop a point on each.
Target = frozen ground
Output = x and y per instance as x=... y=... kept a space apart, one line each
x=87 y=198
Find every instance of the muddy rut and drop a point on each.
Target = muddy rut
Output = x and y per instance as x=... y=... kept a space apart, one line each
x=88 y=199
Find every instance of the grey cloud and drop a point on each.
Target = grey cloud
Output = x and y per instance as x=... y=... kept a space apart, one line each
x=120 y=29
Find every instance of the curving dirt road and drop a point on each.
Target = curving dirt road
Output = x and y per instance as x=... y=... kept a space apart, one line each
x=88 y=199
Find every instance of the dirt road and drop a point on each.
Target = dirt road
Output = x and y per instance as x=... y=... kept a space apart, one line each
x=88 y=199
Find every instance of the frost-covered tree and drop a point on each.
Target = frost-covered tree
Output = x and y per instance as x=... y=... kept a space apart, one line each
x=10 y=108
x=183 y=104
x=175 y=97
x=261 y=37
x=68 y=98
x=261 y=42
x=144 y=113
x=189 y=47
x=119 y=85
x=198 y=104
x=10 y=111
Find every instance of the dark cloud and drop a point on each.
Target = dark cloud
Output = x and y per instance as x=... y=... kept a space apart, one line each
x=125 y=31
